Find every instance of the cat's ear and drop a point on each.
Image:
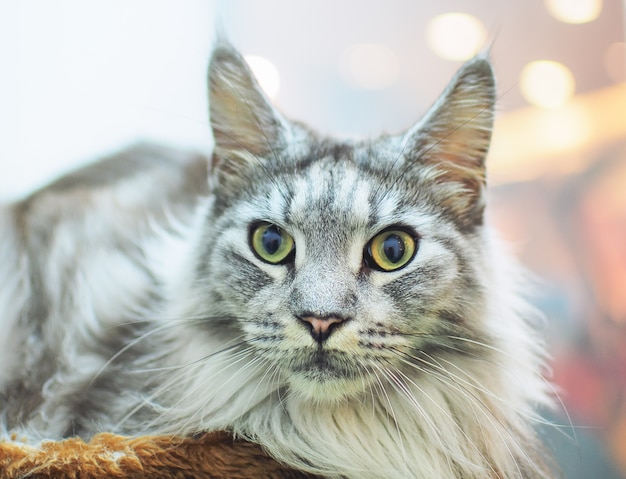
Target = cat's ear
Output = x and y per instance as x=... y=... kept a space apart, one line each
x=454 y=138
x=245 y=126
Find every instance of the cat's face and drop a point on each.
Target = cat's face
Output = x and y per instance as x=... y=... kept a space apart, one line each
x=344 y=262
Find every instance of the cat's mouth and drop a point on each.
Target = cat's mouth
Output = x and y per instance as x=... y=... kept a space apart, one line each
x=322 y=363
x=325 y=374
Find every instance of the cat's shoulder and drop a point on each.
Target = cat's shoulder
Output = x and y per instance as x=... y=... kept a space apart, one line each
x=130 y=186
x=147 y=168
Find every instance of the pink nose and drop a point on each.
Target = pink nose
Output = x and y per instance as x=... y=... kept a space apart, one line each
x=321 y=328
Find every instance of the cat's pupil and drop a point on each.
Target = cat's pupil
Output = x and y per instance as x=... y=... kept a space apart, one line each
x=271 y=239
x=393 y=246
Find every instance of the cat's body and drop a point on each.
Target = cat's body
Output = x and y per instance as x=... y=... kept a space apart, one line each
x=136 y=299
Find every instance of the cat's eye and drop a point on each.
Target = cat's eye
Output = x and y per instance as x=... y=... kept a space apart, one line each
x=390 y=250
x=271 y=244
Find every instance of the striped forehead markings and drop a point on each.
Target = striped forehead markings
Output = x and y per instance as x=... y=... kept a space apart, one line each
x=340 y=189
x=276 y=201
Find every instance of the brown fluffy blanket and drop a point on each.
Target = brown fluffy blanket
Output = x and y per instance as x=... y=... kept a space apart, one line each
x=215 y=455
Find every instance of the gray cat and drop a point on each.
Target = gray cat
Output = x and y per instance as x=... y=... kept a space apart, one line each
x=344 y=304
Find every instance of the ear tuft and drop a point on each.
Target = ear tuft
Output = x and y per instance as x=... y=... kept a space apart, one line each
x=245 y=125
x=455 y=134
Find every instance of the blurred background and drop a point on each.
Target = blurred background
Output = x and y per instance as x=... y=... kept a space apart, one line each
x=82 y=79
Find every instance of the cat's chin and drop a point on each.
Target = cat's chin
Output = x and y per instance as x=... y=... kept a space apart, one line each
x=325 y=389
x=325 y=376
x=326 y=385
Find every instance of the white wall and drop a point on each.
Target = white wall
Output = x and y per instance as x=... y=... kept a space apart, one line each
x=80 y=78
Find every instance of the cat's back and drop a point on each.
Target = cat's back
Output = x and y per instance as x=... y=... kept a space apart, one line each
x=129 y=186
x=110 y=203
x=73 y=250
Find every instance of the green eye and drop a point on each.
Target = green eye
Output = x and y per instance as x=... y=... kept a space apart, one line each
x=271 y=244
x=390 y=250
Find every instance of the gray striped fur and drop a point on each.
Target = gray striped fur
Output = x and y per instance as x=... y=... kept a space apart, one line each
x=131 y=301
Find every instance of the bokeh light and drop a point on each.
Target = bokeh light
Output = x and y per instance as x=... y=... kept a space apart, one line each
x=574 y=11
x=456 y=36
x=547 y=84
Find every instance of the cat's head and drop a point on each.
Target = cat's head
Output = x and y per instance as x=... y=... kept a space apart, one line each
x=343 y=262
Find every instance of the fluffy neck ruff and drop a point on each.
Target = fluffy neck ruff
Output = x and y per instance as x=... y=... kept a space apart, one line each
x=444 y=416
x=447 y=426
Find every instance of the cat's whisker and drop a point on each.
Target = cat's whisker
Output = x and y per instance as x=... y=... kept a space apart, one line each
x=171 y=417
x=383 y=390
x=283 y=393
x=389 y=299
x=486 y=411
x=435 y=363
x=255 y=365
x=476 y=405
x=436 y=368
x=406 y=380
x=536 y=418
x=410 y=381
x=401 y=388
x=369 y=388
x=127 y=347
x=149 y=317
x=547 y=383
x=161 y=328
x=239 y=342
x=484 y=345
x=270 y=368
x=276 y=379
x=188 y=370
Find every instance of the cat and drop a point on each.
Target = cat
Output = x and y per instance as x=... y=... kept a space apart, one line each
x=345 y=304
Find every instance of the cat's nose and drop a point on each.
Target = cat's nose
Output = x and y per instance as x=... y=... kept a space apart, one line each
x=322 y=327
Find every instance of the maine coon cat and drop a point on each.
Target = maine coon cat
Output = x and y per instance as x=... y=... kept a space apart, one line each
x=344 y=304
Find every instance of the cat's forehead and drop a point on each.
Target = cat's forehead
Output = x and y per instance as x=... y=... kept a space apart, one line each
x=347 y=191
x=343 y=186
x=330 y=190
